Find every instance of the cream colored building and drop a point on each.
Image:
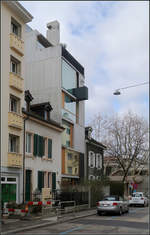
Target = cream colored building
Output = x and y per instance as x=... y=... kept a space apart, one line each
x=42 y=150
x=13 y=20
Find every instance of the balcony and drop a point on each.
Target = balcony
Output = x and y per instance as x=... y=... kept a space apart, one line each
x=15 y=120
x=81 y=93
x=16 y=81
x=16 y=44
x=15 y=160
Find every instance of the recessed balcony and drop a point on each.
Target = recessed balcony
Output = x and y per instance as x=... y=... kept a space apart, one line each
x=16 y=44
x=15 y=120
x=15 y=81
x=15 y=160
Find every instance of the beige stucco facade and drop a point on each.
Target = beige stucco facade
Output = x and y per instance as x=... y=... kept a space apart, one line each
x=12 y=84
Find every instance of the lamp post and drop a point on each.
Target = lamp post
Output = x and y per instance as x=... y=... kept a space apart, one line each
x=118 y=92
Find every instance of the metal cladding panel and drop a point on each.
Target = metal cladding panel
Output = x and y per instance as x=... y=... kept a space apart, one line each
x=81 y=93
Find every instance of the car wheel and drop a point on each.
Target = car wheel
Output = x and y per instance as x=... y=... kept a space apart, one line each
x=99 y=213
x=144 y=205
x=120 y=211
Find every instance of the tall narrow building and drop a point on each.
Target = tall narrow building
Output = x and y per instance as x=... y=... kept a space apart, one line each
x=13 y=20
x=55 y=76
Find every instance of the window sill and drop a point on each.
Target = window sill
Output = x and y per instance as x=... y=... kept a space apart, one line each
x=29 y=155
x=46 y=159
x=14 y=152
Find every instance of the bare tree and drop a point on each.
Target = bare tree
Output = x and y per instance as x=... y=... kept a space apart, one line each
x=126 y=139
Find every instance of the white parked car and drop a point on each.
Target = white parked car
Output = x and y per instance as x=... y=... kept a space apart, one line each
x=112 y=204
x=138 y=198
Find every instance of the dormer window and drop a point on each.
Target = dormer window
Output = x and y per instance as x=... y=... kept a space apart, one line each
x=42 y=110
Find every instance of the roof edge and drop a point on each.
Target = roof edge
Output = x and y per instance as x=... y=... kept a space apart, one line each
x=22 y=12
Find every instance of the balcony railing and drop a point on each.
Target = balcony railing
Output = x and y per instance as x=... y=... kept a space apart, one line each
x=15 y=120
x=16 y=81
x=17 y=44
x=15 y=160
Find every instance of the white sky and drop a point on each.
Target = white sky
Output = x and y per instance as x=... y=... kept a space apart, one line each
x=111 y=40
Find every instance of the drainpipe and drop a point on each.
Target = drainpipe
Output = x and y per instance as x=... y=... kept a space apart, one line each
x=24 y=142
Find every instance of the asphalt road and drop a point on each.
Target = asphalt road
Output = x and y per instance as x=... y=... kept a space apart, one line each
x=134 y=222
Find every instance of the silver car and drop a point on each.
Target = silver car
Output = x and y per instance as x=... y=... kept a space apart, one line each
x=112 y=204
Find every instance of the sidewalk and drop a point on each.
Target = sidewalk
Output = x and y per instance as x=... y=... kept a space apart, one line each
x=11 y=226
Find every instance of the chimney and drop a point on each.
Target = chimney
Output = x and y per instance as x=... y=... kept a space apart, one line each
x=53 y=33
x=28 y=98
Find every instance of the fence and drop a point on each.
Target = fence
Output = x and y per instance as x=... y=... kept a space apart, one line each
x=79 y=197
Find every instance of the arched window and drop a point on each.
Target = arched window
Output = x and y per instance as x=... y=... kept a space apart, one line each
x=98 y=160
x=91 y=159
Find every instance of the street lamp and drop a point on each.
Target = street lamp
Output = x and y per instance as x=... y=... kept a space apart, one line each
x=118 y=92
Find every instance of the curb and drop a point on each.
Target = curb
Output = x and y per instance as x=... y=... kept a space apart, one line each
x=44 y=224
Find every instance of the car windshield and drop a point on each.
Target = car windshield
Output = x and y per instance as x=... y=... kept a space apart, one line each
x=110 y=199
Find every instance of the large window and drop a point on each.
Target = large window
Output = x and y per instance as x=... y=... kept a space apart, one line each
x=13 y=143
x=69 y=105
x=67 y=134
x=14 y=104
x=15 y=27
x=28 y=143
x=69 y=77
x=69 y=108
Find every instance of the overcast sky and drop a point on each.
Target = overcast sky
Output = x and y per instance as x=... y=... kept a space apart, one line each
x=110 y=39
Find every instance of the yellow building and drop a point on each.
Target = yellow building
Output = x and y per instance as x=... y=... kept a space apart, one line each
x=13 y=19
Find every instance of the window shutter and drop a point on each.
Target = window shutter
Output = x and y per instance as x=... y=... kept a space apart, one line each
x=53 y=181
x=40 y=146
x=49 y=148
x=43 y=142
x=40 y=180
x=35 y=148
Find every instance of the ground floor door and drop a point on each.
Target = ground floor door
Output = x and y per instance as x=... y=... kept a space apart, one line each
x=8 y=192
x=28 y=185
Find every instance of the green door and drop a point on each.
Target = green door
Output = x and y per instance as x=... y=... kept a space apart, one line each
x=8 y=192
x=28 y=185
x=53 y=181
